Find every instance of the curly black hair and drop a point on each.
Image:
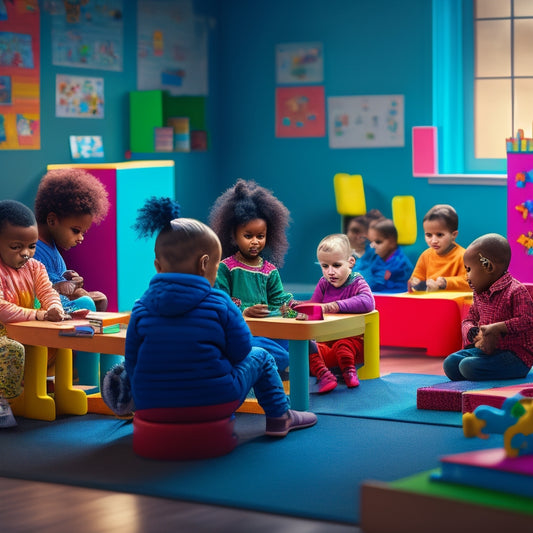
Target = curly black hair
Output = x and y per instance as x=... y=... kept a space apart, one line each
x=247 y=201
x=16 y=214
x=155 y=216
x=70 y=191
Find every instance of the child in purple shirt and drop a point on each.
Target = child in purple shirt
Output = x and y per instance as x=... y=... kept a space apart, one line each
x=339 y=291
x=498 y=330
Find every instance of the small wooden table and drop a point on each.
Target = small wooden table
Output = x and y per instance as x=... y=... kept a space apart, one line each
x=299 y=332
x=37 y=337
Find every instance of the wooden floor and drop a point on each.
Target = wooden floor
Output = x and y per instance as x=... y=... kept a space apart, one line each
x=27 y=506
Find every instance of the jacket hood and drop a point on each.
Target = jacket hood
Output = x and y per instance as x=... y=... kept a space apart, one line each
x=172 y=294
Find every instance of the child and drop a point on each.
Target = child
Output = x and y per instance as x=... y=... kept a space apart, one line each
x=498 y=330
x=23 y=280
x=390 y=268
x=339 y=290
x=68 y=201
x=357 y=232
x=440 y=267
x=187 y=344
x=250 y=223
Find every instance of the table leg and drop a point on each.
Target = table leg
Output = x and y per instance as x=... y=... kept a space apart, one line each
x=299 y=374
x=370 y=369
x=34 y=402
x=68 y=400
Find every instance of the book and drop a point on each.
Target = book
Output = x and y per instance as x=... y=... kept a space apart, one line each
x=488 y=469
x=105 y=322
x=77 y=331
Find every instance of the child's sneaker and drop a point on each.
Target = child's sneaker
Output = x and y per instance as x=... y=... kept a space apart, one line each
x=326 y=382
x=7 y=420
x=350 y=377
x=280 y=426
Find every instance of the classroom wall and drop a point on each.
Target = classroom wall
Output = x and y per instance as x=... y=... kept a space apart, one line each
x=369 y=48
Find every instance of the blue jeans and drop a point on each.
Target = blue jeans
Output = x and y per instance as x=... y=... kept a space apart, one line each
x=474 y=365
x=259 y=370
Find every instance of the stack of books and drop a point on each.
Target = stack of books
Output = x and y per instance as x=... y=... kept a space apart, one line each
x=107 y=322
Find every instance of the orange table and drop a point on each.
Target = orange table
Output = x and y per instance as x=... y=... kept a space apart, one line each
x=37 y=337
x=299 y=332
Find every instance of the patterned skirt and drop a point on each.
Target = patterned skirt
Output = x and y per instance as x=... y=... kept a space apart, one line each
x=11 y=367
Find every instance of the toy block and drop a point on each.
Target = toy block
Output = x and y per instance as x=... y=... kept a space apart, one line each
x=447 y=396
x=404 y=218
x=491 y=397
x=349 y=194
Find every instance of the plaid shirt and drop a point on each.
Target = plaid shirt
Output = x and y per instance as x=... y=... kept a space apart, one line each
x=507 y=300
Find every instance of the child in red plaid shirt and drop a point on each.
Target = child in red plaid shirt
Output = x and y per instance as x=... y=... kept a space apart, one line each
x=498 y=330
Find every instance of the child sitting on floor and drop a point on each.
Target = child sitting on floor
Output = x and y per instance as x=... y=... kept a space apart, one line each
x=390 y=268
x=251 y=223
x=187 y=344
x=498 y=330
x=68 y=202
x=339 y=290
x=440 y=267
x=24 y=284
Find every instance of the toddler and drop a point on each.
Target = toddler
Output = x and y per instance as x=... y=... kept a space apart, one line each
x=498 y=330
x=68 y=202
x=187 y=344
x=441 y=266
x=390 y=268
x=339 y=290
x=251 y=223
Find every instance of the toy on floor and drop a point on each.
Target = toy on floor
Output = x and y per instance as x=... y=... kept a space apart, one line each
x=514 y=421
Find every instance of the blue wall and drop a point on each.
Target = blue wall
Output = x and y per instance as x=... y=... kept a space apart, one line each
x=369 y=47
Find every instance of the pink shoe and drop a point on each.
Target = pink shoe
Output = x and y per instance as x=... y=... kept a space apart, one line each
x=326 y=382
x=350 y=377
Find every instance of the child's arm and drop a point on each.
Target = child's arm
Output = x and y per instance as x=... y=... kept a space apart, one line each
x=470 y=325
x=276 y=294
x=419 y=274
x=361 y=302
x=238 y=336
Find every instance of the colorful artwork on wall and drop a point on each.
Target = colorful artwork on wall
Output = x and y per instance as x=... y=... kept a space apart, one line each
x=86 y=147
x=300 y=112
x=374 y=121
x=19 y=82
x=79 y=97
x=298 y=63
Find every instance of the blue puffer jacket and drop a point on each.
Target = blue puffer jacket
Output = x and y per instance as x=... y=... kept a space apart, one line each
x=183 y=339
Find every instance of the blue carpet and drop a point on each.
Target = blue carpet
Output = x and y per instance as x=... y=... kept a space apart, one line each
x=314 y=473
x=391 y=397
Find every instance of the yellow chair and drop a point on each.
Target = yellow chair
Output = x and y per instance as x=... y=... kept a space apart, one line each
x=404 y=218
x=349 y=196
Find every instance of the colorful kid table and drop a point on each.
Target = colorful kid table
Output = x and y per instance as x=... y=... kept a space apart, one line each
x=37 y=337
x=299 y=332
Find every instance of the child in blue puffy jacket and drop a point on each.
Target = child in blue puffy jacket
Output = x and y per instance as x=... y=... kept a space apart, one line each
x=187 y=343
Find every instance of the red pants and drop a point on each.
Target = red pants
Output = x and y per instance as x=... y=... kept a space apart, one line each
x=343 y=353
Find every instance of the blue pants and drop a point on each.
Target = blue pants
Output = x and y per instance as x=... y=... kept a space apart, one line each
x=278 y=348
x=259 y=370
x=474 y=365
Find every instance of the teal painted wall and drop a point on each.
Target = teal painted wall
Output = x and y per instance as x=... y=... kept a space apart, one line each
x=369 y=47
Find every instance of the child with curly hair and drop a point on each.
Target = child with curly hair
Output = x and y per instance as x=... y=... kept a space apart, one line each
x=339 y=290
x=68 y=202
x=187 y=345
x=251 y=224
x=25 y=293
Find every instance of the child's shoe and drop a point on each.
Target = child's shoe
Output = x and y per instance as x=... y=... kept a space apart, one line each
x=350 y=377
x=326 y=382
x=280 y=426
x=7 y=420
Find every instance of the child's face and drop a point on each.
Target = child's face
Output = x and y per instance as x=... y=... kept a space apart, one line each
x=336 y=267
x=251 y=239
x=384 y=246
x=477 y=275
x=17 y=244
x=438 y=236
x=69 y=231
x=357 y=235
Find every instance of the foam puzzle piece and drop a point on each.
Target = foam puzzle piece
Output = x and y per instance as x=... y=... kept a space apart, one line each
x=447 y=396
x=493 y=397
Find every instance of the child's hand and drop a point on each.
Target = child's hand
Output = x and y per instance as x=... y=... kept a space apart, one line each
x=415 y=284
x=332 y=307
x=52 y=315
x=67 y=288
x=74 y=277
x=257 y=311
x=490 y=336
x=432 y=285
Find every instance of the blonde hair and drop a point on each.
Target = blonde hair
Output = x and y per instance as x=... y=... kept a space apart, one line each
x=337 y=242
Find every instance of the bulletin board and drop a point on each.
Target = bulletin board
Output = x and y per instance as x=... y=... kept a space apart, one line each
x=374 y=121
x=20 y=127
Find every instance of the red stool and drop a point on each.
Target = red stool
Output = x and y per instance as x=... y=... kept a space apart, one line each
x=183 y=433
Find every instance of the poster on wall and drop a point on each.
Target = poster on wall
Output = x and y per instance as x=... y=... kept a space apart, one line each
x=87 y=34
x=171 y=48
x=375 y=121
x=86 y=147
x=300 y=112
x=79 y=97
x=19 y=80
x=298 y=63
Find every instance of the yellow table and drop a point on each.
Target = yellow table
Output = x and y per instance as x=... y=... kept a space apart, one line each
x=299 y=332
x=37 y=337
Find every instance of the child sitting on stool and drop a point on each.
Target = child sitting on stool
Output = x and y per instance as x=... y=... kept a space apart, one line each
x=187 y=344
x=498 y=330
